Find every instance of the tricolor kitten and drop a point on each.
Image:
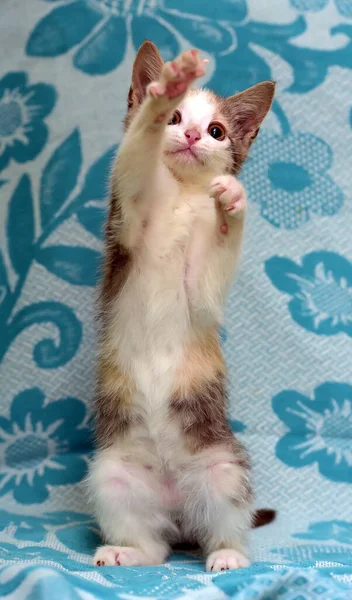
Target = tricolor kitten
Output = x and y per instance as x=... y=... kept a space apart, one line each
x=168 y=467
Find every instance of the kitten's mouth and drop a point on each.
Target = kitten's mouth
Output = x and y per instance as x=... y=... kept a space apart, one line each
x=187 y=152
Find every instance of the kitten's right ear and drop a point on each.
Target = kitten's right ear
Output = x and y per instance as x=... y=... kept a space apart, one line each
x=147 y=67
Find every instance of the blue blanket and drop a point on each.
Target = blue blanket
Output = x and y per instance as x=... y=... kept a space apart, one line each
x=65 y=70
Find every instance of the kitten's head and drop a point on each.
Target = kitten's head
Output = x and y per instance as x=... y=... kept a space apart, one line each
x=207 y=133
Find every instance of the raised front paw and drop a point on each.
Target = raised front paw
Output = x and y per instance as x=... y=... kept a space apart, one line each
x=229 y=192
x=177 y=76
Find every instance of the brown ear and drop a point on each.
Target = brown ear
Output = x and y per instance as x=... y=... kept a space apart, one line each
x=146 y=68
x=248 y=109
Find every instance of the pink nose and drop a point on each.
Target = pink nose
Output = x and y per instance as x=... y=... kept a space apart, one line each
x=192 y=136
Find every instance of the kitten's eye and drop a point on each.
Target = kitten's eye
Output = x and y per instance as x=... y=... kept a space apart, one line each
x=175 y=119
x=217 y=131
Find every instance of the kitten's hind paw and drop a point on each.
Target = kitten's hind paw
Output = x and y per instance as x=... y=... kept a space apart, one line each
x=125 y=556
x=225 y=560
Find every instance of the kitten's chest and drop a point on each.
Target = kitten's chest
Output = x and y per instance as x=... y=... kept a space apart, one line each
x=178 y=226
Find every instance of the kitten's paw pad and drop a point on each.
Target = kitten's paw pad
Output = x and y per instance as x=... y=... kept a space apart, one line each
x=229 y=192
x=177 y=75
x=156 y=89
x=105 y=556
x=124 y=556
x=224 y=560
x=187 y=63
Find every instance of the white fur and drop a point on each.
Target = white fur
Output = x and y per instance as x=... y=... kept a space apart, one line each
x=222 y=560
x=183 y=265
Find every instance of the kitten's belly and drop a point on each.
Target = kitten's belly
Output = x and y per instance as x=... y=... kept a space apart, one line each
x=150 y=323
x=152 y=319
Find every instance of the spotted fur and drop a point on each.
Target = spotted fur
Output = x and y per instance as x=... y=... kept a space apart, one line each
x=167 y=467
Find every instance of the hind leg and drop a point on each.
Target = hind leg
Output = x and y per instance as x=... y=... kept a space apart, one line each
x=218 y=509
x=128 y=510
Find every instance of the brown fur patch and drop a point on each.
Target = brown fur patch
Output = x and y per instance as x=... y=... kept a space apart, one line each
x=199 y=399
x=202 y=361
x=118 y=258
x=112 y=403
x=115 y=389
x=244 y=113
x=201 y=414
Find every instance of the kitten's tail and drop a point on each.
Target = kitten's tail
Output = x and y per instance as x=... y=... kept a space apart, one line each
x=263 y=516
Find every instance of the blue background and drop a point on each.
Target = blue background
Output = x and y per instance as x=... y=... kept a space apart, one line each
x=65 y=72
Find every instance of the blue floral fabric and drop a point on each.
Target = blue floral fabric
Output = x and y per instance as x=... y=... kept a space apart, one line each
x=64 y=77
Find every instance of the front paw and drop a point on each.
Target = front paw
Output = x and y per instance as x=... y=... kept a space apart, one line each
x=230 y=194
x=177 y=76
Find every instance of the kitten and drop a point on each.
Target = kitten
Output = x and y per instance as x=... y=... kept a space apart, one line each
x=167 y=467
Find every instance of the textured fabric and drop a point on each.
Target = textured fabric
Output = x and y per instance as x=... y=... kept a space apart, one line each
x=65 y=69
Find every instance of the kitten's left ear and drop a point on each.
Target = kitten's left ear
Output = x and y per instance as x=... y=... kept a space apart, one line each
x=248 y=109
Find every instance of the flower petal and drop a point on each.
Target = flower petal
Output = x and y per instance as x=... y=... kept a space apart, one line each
x=6 y=484
x=71 y=469
x=157 y=32
x=42 y=100
x=303 y=317
x=344 y=7
x=25 y=493
x=5 y=157
x=104 y=50
x=80 y=440
x=29 y=402
x=70 y=412
x=295 y=450
x=337 y=264
x=203 y=34
x=293 y=409
x=339 y=531
x=332 y=391
x=37 y=135
x=237 y=426
x=325 y=197
x=288 y=201
x=227 y=10
x=313 y=5
x=283 y=272
x=61 y=29
x=303 y=149
x=312 y=321
x=13 y=81
x=333 y=469
x=287 y=210
x=6 y=426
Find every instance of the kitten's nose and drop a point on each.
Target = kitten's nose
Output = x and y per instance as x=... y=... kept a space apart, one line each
x=192 y=136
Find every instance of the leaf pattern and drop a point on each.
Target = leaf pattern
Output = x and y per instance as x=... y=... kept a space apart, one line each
x=288 y=323
x=48 y=354
x=96 y=183
x=20 y=225
x=60 y=177
x=74 y=264
x=4 y=284
x=92 y=218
